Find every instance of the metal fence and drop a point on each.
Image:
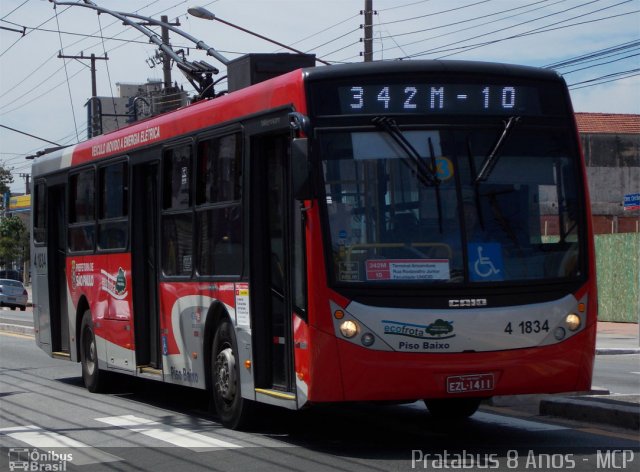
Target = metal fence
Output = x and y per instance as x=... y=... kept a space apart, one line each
x=618 y=267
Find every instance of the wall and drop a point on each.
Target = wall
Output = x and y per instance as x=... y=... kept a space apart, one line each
x=613 y=170
x=618 y=270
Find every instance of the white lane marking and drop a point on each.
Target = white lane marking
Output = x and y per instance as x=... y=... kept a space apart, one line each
x=177 y=436
x=511 y=422
x=42 y=439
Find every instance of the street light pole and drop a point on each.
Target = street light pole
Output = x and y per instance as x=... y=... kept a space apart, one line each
x=203 y=13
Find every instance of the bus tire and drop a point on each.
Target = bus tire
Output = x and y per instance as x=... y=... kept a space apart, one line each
x=94 y=378
x=233 y=411
x=452 y=408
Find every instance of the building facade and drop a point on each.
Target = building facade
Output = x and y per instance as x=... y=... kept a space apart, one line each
x=611 y=146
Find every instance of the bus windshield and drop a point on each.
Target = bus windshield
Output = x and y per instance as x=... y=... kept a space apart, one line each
x=500 y=208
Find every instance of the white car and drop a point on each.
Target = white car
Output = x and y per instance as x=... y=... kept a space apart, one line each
x=13 y=294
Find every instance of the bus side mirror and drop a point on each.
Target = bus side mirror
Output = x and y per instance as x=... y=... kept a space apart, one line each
x=302 y=183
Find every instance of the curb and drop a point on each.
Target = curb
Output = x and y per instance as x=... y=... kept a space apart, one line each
x=610 y=410
x=615 y=350
x=17 y=329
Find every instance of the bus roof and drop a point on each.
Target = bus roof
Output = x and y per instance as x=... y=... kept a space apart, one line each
x=283 y=90
x=430 y=66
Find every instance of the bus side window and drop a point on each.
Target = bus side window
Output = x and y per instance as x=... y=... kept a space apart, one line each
x=82 y=211
x=113 y=226
x=219 y=211
x=177 y=215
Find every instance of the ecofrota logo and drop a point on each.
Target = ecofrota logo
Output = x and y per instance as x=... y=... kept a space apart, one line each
x=439 y=329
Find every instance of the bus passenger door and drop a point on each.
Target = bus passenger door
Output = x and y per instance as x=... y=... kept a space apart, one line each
x=57 y=254
x=271 y=246
x=144 y=234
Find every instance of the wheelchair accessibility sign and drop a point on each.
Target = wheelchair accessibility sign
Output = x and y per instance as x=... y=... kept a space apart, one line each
x=485 y=262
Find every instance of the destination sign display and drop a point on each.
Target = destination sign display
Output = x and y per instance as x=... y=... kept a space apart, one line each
x=422 y=98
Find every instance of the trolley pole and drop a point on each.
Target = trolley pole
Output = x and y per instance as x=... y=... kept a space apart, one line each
x=368 y=30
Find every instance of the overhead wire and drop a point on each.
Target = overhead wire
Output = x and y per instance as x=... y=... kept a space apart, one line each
x=540 y=30
x=584 y=57
x=475 y=18
x=113 y=100
x=430 y=15
x=601 y=64
x=16 y=8
x=68 y=83
x=625 y=74
x=404 y=6
x=518 y=35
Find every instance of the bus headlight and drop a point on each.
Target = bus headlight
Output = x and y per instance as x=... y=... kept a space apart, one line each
x=348 y=328
x=572 y=321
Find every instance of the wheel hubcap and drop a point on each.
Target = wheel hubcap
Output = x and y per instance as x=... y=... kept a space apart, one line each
x=226 y=374
x=90 y=352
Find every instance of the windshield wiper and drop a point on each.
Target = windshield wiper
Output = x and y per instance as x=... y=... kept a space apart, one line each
x=427 y=175
x=492 y=158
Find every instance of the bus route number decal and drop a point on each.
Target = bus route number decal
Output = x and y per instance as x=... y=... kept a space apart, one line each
x=528 y=327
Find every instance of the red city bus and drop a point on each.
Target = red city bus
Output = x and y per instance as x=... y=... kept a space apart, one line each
x=368 y=232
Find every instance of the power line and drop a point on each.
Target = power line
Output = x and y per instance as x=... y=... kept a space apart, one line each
x=544 y=28
x=496 y=31
x=16 y=8
x=29 y=134
x=601 y=64
x=593 y=54
x=430 y=15
x=44 y=22
x=404 y=6
x=73 y=113
x=474 y=18
x=612 y=78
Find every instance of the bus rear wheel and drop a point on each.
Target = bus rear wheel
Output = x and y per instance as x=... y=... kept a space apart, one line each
x=452 y=408
x=233 y=410
x=94 y=378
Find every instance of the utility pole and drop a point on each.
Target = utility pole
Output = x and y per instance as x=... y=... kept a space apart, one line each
x=368 y=30
x=26 y=178
x=93 y=59
x=95 y=127
x=166 y=60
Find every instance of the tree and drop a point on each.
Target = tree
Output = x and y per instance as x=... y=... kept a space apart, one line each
x=6 y=178
x=14 y=241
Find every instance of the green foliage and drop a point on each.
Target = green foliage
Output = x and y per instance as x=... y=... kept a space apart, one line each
x=14 y=240
x=6 y=178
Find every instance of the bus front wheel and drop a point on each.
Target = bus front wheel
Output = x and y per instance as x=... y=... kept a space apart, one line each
x=94 y=378
x=452 y=408
x=233 y=410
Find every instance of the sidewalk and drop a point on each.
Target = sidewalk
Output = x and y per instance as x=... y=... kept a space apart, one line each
x=599 y=406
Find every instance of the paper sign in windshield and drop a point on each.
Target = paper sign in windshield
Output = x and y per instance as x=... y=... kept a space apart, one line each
x=408 y=269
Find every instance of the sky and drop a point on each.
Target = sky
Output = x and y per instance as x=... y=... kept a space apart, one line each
x=45 y=96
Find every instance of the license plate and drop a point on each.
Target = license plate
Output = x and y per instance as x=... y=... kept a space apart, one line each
x=470 y=383
x=12 y=299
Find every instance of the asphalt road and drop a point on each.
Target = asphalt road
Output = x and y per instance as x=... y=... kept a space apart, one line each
x=619 y=373
x=48 y=418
